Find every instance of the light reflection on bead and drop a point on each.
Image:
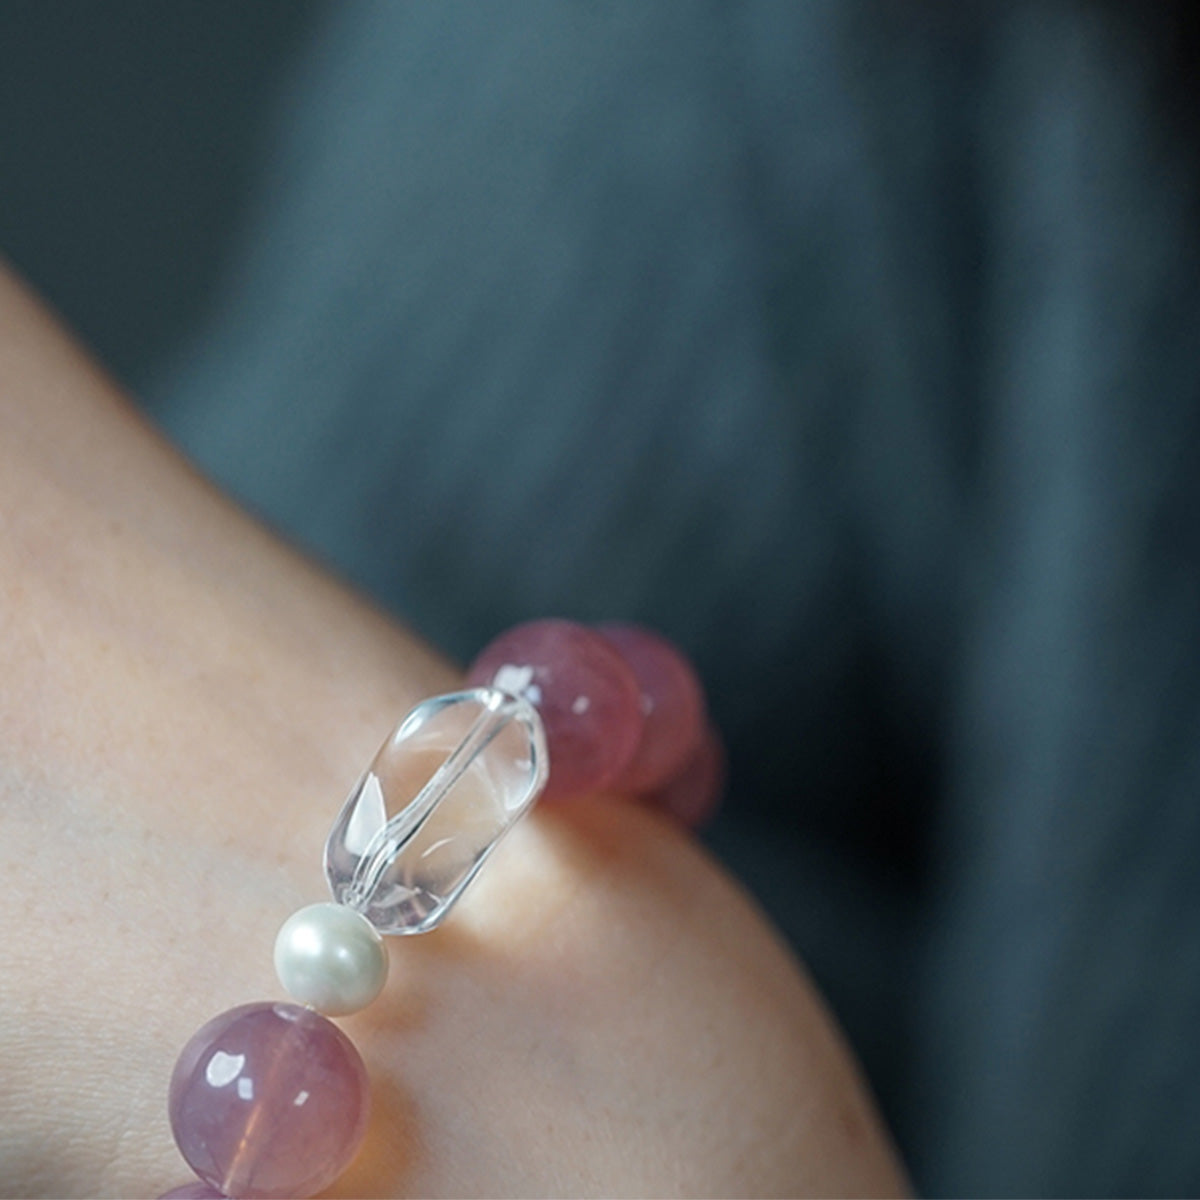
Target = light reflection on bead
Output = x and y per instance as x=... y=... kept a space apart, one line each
x=584 y=691
x=281 y=1114
x=332 y=958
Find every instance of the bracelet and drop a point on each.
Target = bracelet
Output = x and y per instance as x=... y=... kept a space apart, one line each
x=271 y=1099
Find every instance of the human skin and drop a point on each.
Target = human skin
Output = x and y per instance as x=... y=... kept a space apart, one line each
x=185 y=703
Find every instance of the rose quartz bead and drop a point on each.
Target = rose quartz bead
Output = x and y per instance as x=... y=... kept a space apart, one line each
x=193 y=1191
x=269 y=1100
x=672 y=707
x=584 y=691
x=693 y=795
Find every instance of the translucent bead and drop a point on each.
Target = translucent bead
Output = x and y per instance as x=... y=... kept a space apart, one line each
x=672 y=707
x=444 y=788
x=585 y=692
x=269 y=1100
x=193 y=1191
x=694 y=793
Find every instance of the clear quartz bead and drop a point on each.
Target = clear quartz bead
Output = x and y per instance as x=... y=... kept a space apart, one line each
x=452 y=779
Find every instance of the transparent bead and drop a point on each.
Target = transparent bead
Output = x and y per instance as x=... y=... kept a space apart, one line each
x=453 y=778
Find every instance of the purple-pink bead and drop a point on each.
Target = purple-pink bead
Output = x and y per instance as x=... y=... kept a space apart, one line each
x=693 y=794
x=672 y=707
x=269 y=1100
x=193 y=1191
x=584 y=690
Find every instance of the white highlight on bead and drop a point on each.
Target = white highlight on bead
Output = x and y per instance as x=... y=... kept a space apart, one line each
x=514 y=680
x=331 y=958
x=223 y=1068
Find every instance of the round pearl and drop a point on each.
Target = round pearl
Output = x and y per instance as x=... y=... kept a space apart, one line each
x=331 y=958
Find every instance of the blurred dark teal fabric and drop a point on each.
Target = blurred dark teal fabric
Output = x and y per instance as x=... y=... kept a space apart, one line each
x=855 y=347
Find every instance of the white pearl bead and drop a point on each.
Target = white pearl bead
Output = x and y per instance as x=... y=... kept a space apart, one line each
x=332 y=958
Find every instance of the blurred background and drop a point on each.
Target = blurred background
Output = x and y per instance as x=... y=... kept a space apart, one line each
x=852 y=345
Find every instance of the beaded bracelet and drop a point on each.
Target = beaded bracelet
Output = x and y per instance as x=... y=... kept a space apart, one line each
x=271 y=1099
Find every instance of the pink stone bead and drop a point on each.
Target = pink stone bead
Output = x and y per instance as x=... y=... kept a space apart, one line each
x=672 y=707
x=193 y=1191
x=585 y=692
x=693 y=795
x=269 y=1100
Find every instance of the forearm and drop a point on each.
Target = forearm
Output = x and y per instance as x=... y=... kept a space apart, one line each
x=185 y=703
x=177 y=685
x=142 y=570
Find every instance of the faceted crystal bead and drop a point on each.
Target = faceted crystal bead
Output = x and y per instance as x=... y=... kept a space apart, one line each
x=269 y=1100
x=193 y=1191
x=693 y=794
x=672 y=707
x=585 y=692
x=445 y=787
